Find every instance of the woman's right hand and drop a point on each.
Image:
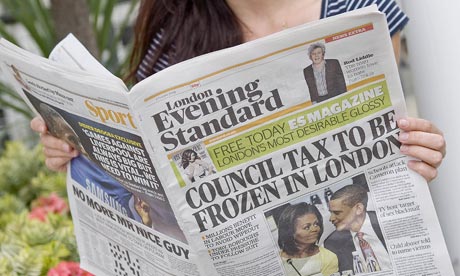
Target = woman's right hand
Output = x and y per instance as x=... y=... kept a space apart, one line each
x=57 y=152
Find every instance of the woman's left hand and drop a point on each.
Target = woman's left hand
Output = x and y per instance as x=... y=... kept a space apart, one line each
x=423 y=140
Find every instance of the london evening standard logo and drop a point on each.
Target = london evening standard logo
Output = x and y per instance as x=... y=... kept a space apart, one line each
x=234 y=107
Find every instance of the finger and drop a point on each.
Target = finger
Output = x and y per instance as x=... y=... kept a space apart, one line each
x=417 y=124
x=38 y=125
x=57 y=164
x=54 y=153
x=425 y=170
x=427 y=155
x=52 y=142
x=424 y=139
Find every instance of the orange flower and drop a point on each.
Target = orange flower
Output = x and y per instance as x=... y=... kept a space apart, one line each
x=50 y=204
x=68 y=269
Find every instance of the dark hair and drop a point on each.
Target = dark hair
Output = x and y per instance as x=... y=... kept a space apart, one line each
x=186 y=155
x=287 y=224
x=351 y=195
x=188 y=27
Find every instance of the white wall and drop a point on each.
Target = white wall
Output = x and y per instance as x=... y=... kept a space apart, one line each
x=433 y=37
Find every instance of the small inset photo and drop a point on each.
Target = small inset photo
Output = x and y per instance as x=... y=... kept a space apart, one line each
x=324 y=76
x=194 y=163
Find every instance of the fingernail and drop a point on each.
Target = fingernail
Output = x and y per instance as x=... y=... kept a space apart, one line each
x=66 y=148
x=403 y=136
x=403 y=123
x=412 y=164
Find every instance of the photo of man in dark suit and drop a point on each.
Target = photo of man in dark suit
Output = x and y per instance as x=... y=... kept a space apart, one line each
x=324 y=77
x=357 y=230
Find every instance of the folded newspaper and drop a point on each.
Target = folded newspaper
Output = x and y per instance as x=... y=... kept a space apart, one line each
x=276 y=157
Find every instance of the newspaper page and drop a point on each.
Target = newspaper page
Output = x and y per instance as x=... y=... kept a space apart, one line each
x=114 y=191
x=282 y=157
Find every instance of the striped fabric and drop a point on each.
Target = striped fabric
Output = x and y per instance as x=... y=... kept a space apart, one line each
x=395 y=17
x=147 y=68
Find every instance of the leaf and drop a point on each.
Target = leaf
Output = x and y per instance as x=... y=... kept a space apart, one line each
x=106 y=28
x=5 y=267
x=27 y=263
x=10 y=99
x=11 y=203
x=18 y=165
x=37 y=233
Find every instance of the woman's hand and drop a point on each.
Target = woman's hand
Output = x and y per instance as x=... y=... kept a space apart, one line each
x=57 y=152
x=423 y=140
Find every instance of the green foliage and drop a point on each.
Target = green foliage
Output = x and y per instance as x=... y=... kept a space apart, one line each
x=32 y=247
x=11 y=203
x=5 y=267
x=18 y=164
x=23 y=173
x=46 y=182
x=10 y=207
x=109 y=36
x=27 y=262
x=10 y=99
x=36 y=19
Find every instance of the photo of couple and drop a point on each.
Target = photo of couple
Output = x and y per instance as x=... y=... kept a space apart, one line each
x=336 y=235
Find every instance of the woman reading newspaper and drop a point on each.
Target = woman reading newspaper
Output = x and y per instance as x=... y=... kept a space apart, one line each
x=168 y=32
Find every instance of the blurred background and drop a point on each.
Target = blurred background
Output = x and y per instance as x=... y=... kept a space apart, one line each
x=429 y=76
x=429 y=70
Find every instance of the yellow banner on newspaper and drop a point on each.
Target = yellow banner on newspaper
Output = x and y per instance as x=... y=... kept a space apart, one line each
x=319 y=119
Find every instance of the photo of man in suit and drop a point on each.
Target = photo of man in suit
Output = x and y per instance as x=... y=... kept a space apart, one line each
x=357 y=230
x=324 y=77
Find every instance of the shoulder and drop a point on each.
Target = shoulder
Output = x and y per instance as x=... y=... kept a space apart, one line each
x=332 y=62
x=326 y=253
x=308 y=69
x=338 y=235
x=337 y=238
x=284 y=255
x=330 y=261
x=396 y=18
x=334 y=7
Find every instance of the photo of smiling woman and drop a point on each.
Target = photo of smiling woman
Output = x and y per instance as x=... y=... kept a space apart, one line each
x=195 y=168
x=300 y=227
